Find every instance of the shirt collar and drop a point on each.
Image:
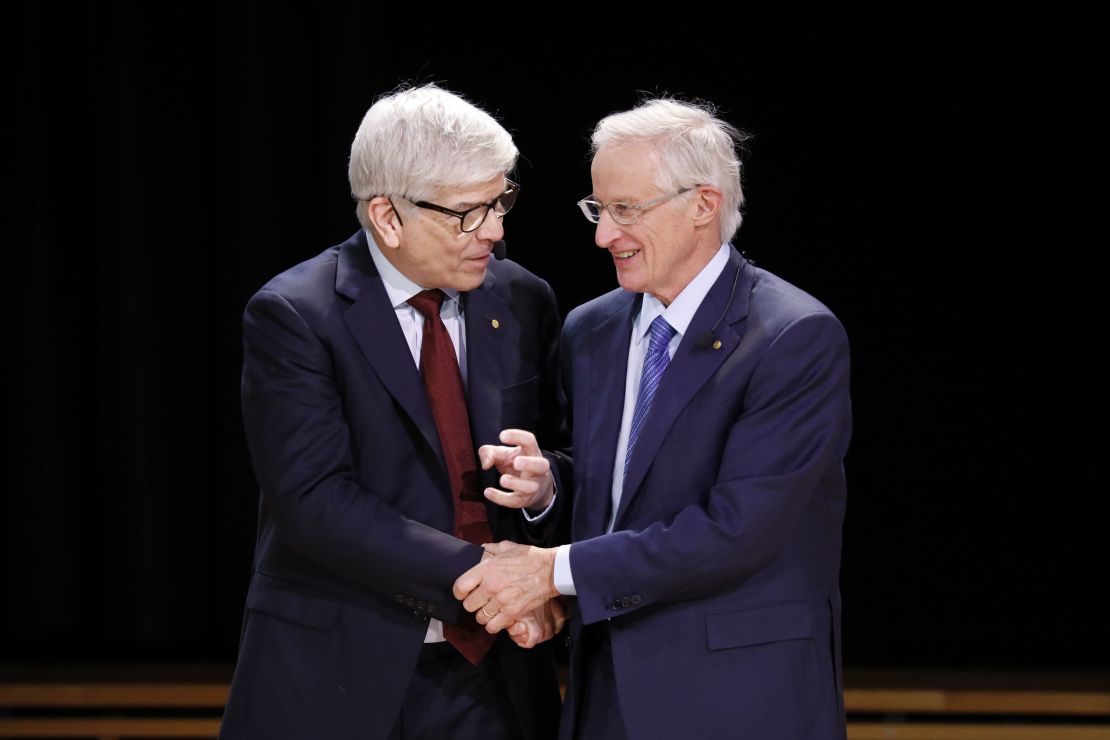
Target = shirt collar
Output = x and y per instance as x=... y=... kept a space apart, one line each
x=398 y=286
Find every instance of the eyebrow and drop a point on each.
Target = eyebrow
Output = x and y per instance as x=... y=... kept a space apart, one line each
x=467 y=205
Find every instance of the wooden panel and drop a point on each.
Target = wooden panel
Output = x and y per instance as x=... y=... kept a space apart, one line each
x=903 y=731
x=899 y=695
x=978 y=702
x=212 y=695
x=108 y=727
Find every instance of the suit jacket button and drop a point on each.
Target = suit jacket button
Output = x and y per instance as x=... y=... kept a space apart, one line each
x=569 y=642
x=615 y=605
x=421 y=605
x=410 y=602
x=636 y=599
x=431 y=607
x=399 y=598
x=626 y=602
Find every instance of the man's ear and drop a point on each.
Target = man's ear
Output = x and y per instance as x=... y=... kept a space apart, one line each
x=385 y=220
x=707 y=205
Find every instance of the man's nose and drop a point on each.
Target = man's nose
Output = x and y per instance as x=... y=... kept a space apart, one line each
x=607 y=230
x=491 y=229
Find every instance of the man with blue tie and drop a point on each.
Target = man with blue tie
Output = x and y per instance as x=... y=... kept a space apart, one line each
x=711 y=416
x=371 y=374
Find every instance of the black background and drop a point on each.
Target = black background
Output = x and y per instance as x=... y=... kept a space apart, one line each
x=929 y=183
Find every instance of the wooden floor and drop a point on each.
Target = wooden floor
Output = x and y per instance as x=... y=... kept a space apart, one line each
x=977 y=706
x=186 y=701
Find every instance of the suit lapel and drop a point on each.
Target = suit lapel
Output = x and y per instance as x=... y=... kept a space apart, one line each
x=373 y=323
x=489 y=328
x=608 y=366
x=691 y=367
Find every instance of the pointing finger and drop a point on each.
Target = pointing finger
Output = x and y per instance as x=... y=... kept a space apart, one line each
x=523 y=439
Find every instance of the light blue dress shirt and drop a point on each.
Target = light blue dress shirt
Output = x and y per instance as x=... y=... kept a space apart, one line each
x=679 y=315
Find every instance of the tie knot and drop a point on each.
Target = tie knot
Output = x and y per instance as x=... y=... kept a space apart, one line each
x=661 y=333
x=428 y=302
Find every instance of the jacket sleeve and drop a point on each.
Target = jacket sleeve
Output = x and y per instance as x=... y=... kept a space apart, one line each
x=301 y=450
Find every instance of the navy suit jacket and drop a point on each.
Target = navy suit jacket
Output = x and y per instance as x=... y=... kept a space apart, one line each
x=354 y=551
x=720 y=577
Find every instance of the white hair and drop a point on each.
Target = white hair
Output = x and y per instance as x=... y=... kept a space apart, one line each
x=695 y=147
x=418 y=139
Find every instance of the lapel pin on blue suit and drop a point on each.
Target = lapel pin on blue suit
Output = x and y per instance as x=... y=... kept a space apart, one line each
x=498 y=250
x=709 y=338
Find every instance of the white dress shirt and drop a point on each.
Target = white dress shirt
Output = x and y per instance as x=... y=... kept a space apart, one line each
x=399 y=289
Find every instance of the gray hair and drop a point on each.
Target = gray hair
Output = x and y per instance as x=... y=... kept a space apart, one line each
x=417 y=139
x=695 y=147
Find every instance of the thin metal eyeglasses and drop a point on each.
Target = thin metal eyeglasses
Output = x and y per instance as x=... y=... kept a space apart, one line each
x=625 y=214
x=472 y=218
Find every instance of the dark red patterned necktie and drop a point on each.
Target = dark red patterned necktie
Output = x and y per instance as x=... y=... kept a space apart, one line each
x=443 y=385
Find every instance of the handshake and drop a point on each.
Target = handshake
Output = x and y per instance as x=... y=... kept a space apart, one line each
x=513 y=587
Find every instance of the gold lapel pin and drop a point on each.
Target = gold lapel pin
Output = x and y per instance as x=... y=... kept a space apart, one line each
x=495 y=323
x=716 y=344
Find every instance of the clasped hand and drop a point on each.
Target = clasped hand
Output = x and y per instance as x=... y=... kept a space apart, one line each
x=513 y=588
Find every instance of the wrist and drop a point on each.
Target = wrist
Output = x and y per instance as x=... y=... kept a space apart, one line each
x=546 y=495
x=549 y=570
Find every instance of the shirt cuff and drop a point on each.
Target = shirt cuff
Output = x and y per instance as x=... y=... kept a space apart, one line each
x=564 y=579
x=533 y=519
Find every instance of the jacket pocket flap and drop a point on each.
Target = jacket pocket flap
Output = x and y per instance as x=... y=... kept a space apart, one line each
x=286 y=600
x=527 y=390
x=760 y=625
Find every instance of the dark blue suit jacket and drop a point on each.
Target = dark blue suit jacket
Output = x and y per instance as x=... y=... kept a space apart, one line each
x=354 y=553
x=721 y=575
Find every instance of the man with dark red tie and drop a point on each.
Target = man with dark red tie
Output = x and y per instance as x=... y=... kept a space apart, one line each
x=372 y=374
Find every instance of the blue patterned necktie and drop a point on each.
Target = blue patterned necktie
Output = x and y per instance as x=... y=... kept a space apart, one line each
x=655 y=362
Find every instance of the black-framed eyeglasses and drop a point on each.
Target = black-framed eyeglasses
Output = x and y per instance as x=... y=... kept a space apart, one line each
x=625 y=214
x=472 y=218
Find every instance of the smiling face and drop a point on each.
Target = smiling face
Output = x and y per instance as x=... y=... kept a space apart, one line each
x=666 y=248
x=431 y=249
